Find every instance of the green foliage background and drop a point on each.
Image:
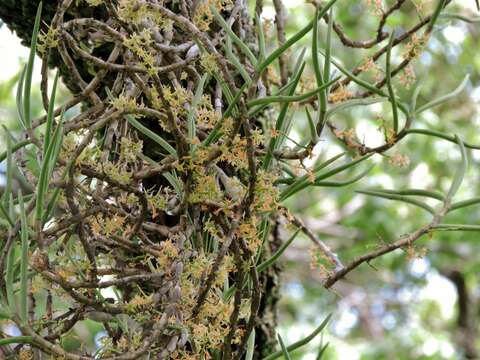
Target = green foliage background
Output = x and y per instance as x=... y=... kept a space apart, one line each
x=392 y=309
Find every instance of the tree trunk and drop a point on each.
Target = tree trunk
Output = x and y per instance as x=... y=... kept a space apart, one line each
x=466 y=332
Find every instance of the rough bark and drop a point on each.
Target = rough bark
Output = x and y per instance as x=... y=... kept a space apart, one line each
x=466 y=317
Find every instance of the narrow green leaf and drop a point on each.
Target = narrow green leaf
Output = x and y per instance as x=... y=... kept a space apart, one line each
x=232 y=106
x=279 y=51
x=56 y=142
x=23 y=261
x=78 y=268
x=402 y=198
x=250 y=346
x=285 y=133
x=215 y=134
x=321 y=164
x=172 y=178
x=273 y=259
x=146 y=131
x=279 y=124
x=5 y=314
x=328 y=49
x=444 y=98
x=9 y=174
x=435 y=15
x=45 y=172
x=50 y=115
x=19 y=98
x=29 y=72
x=316 y=169
x=364 y=83
x=441 y=135
x=11 y=208
x=226 y=91
x=15 y=147
x=413 y=192
x=5 y=215
x=55 y=196
x=456 y=227
x=302 y=342
x=261 y=37
x=311 y=127
x=285 y=352
x=290 y=98
x=264 y=232
x=322 y=96
x=305 y=181
x=465 y=203
x=232 y=101
x=388 y=77
x=353 y=103
x=193 y=107
x=52 y=203
x=284 y=89
x=16 y=340
x=155 y=137
x=280 y=92
x=9 y=280
x=148 y=159
x=26 y=198
x=297 y=68
x=242 y=46
x=238 y=65
x=322 y=351
x=9 y=85
x=460 y=174
x=471 y=20
x=12 y=147
x=354 y=78
x=346 y=182
x=416 y=93
x=288 y=44
x=227 y=294
x=4 y=224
